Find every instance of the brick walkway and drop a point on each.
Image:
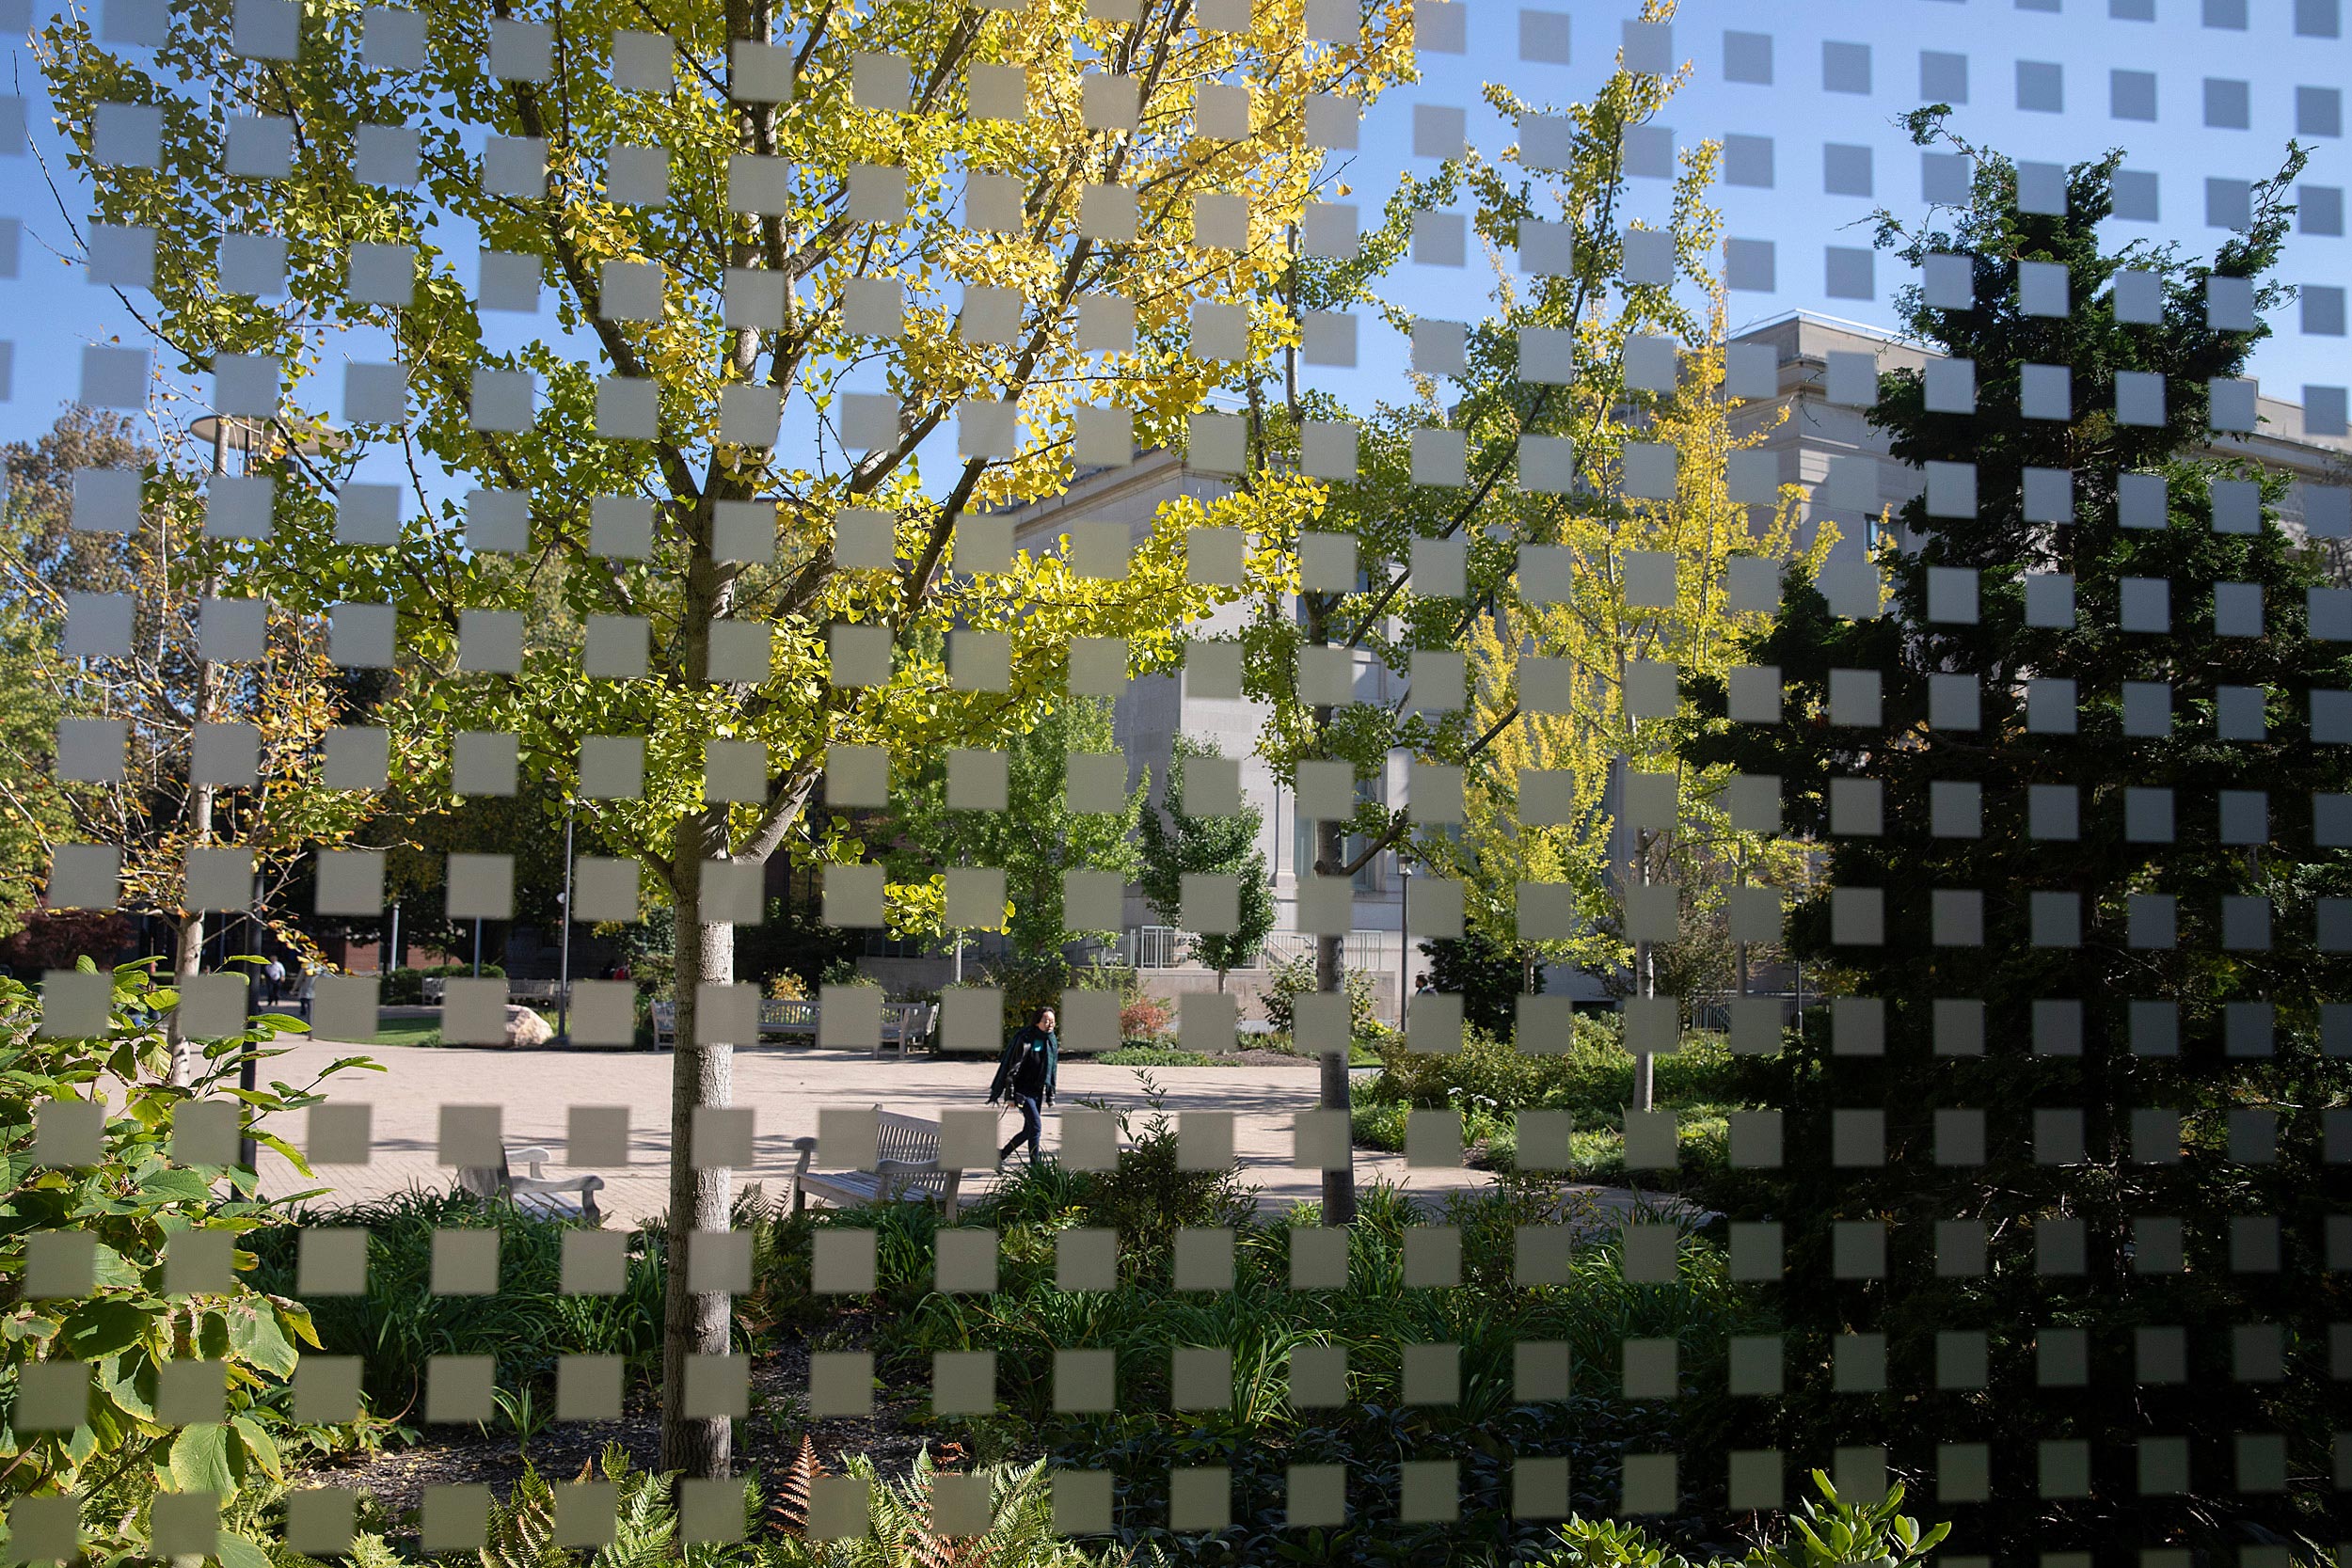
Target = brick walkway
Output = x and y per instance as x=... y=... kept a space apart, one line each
x=785 y=1086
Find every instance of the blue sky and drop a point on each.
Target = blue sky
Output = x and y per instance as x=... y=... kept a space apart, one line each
x=55 y=311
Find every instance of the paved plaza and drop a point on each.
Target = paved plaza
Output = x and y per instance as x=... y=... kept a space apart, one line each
x=785 y=1087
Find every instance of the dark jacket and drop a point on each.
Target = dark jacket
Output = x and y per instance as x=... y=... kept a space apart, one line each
x=1014 y=1049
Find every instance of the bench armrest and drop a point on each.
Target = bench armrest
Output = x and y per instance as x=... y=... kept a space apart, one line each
x=892 y=1174
x=796 y=1188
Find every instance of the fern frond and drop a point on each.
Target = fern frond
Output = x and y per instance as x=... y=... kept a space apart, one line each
x=522 y=1530
x=787 y=1511
x=644 y=1525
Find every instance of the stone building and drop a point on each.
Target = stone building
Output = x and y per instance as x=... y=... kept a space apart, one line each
x=1816 y=368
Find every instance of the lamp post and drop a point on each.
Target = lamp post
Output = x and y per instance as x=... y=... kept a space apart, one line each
x=1404 y=940
x=564 y=963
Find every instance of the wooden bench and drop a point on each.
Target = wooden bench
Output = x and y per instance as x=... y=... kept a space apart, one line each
x=906 y=1169
x=534 y=1194
x=903 y=1024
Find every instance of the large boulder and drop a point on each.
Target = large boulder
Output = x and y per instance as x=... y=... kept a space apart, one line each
x=525 y=1028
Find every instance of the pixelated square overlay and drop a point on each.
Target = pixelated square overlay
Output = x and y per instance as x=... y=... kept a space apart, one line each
x=1647 y=1484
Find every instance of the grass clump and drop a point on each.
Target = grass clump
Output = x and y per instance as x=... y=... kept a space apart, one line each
x=399 y=1321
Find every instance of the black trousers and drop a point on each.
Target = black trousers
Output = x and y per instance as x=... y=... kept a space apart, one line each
x=1032 y=1125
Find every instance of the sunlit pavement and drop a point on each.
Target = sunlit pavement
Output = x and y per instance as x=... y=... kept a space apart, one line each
x=785 y=1086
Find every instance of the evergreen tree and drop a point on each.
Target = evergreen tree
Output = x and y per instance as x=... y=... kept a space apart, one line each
x=1488 y=976
x=1033 y=834
x=1206 y=845
x=2096 y=887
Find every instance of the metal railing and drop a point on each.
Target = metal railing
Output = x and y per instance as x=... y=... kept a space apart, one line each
x=1155 y=948
x=1169 y=947
x=1373 y=952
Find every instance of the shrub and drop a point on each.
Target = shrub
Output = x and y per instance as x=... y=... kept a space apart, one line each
x=1260 y=1319
x=1494 y=1070
x=1839 y=1535
x=401 y=987
x=1156 y=1055
x=162 y=1177
x=1296 y=977
x=845 y=971
x=1144 y=1018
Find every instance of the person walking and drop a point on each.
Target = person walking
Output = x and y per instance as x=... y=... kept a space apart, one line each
x=1025 y=1072
x=276 y=976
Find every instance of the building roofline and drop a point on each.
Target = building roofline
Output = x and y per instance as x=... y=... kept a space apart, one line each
x=1839 y=322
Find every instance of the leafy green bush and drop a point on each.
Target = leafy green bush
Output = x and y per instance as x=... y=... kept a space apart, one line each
x=1839 y=1535
x=1489 y=977
x=401 y=988
x=1296 y=977
x=1156 y=1055
x=1489 y=1079
x=163 y=1185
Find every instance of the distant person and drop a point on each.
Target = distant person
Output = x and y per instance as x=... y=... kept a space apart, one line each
x=1421 y=985
x=1027 y=1073
x=275 y=979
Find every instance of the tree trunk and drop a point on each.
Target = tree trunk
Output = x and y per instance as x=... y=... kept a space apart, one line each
x=188 y=961
x=1645 y=970
x=1339 y=1186
x=700 y=1199
x=1741 y=948
x=701 y=1075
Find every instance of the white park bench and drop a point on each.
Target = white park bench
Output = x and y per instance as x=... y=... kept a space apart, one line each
x=534 y=1194
x=903 y=1024
x=906 y=1169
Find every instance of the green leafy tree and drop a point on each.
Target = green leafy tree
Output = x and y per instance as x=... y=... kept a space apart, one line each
x=2100 y=925
x=1494 y=451
x=151 y=804
x=1034 y=836
x=1203 y=844
x=734 y=209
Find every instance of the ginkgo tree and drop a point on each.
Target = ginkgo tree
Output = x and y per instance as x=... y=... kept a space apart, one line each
x=1585 y=837
x=1399 y=534
x=766 y=262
